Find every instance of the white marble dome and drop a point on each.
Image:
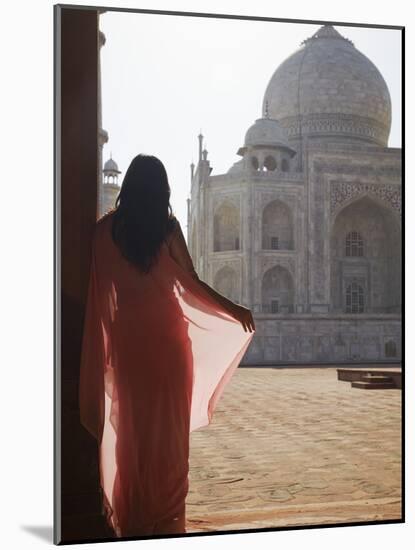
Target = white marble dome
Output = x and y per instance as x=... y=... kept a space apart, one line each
x=335 y=88
x=111 y=166
x=266 y=132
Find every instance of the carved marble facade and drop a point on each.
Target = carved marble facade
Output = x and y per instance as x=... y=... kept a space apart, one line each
x=312 y=248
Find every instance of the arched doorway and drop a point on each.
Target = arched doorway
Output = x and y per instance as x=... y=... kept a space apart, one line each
x=365 y=250
x=226 y=228
x=277 y=226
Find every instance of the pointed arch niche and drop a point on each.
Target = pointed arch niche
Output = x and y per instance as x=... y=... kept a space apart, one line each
x=365 y=252
x=226 y=282
x=277 y=226
x=277 y=291
x=226 y=227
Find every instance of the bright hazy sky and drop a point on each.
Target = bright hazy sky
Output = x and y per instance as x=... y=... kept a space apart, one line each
x=165 y=78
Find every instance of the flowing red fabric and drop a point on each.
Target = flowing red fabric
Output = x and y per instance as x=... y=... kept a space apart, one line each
x=157 y=353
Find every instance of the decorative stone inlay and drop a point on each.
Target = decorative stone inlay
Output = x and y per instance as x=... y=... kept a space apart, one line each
x=267 y=198
x=269 y=262
x=233 y=199
x=232 y=264
x=350 y=169
x=341 y=192
x=277 y=178
x=339 y=123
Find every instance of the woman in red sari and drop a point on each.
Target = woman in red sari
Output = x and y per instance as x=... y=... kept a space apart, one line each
x=159 y=347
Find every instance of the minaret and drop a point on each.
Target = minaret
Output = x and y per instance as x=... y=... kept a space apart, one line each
x=192 y=174
x=110 y=187
x=200 y=137
x=199 y=163
x=111 y=171
x=102 y=134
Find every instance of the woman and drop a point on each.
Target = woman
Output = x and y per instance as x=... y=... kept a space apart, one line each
x=159 y=346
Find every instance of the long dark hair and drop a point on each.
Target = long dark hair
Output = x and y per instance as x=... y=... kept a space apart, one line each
x=143 y=215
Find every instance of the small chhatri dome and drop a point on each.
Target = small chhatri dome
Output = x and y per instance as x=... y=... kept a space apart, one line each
x=329 y=89
x=111 y=166
x=111 y=171
x=266 y=132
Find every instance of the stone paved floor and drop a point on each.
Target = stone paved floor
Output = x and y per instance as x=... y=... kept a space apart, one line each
x=295 y=447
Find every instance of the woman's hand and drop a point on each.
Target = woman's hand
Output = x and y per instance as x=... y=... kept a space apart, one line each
x=243 y=315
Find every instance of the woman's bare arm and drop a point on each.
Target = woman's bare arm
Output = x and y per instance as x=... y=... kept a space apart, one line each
x=180 y=253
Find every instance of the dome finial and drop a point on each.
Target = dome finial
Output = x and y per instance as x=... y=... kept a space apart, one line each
x=326 y=31
x=266 y=112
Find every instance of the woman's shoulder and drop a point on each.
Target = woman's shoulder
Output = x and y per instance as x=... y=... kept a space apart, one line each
x=172 y=227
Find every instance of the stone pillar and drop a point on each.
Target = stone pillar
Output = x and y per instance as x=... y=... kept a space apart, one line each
x=77 y=499
x=318 y=224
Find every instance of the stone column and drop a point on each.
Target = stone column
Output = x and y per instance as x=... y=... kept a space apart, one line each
x=78 y=498
x=318 y=261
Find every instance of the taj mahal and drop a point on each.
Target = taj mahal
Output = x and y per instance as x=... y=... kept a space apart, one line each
x=305 y=228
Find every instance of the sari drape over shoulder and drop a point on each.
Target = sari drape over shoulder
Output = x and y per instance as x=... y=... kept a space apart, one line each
x=157 y=354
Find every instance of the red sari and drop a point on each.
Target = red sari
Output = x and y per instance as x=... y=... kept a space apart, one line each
x=157 y=353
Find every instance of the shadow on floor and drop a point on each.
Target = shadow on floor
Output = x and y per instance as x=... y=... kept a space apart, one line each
x=44 y=532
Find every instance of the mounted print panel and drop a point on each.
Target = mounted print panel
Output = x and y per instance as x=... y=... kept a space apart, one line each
x=229 y=265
